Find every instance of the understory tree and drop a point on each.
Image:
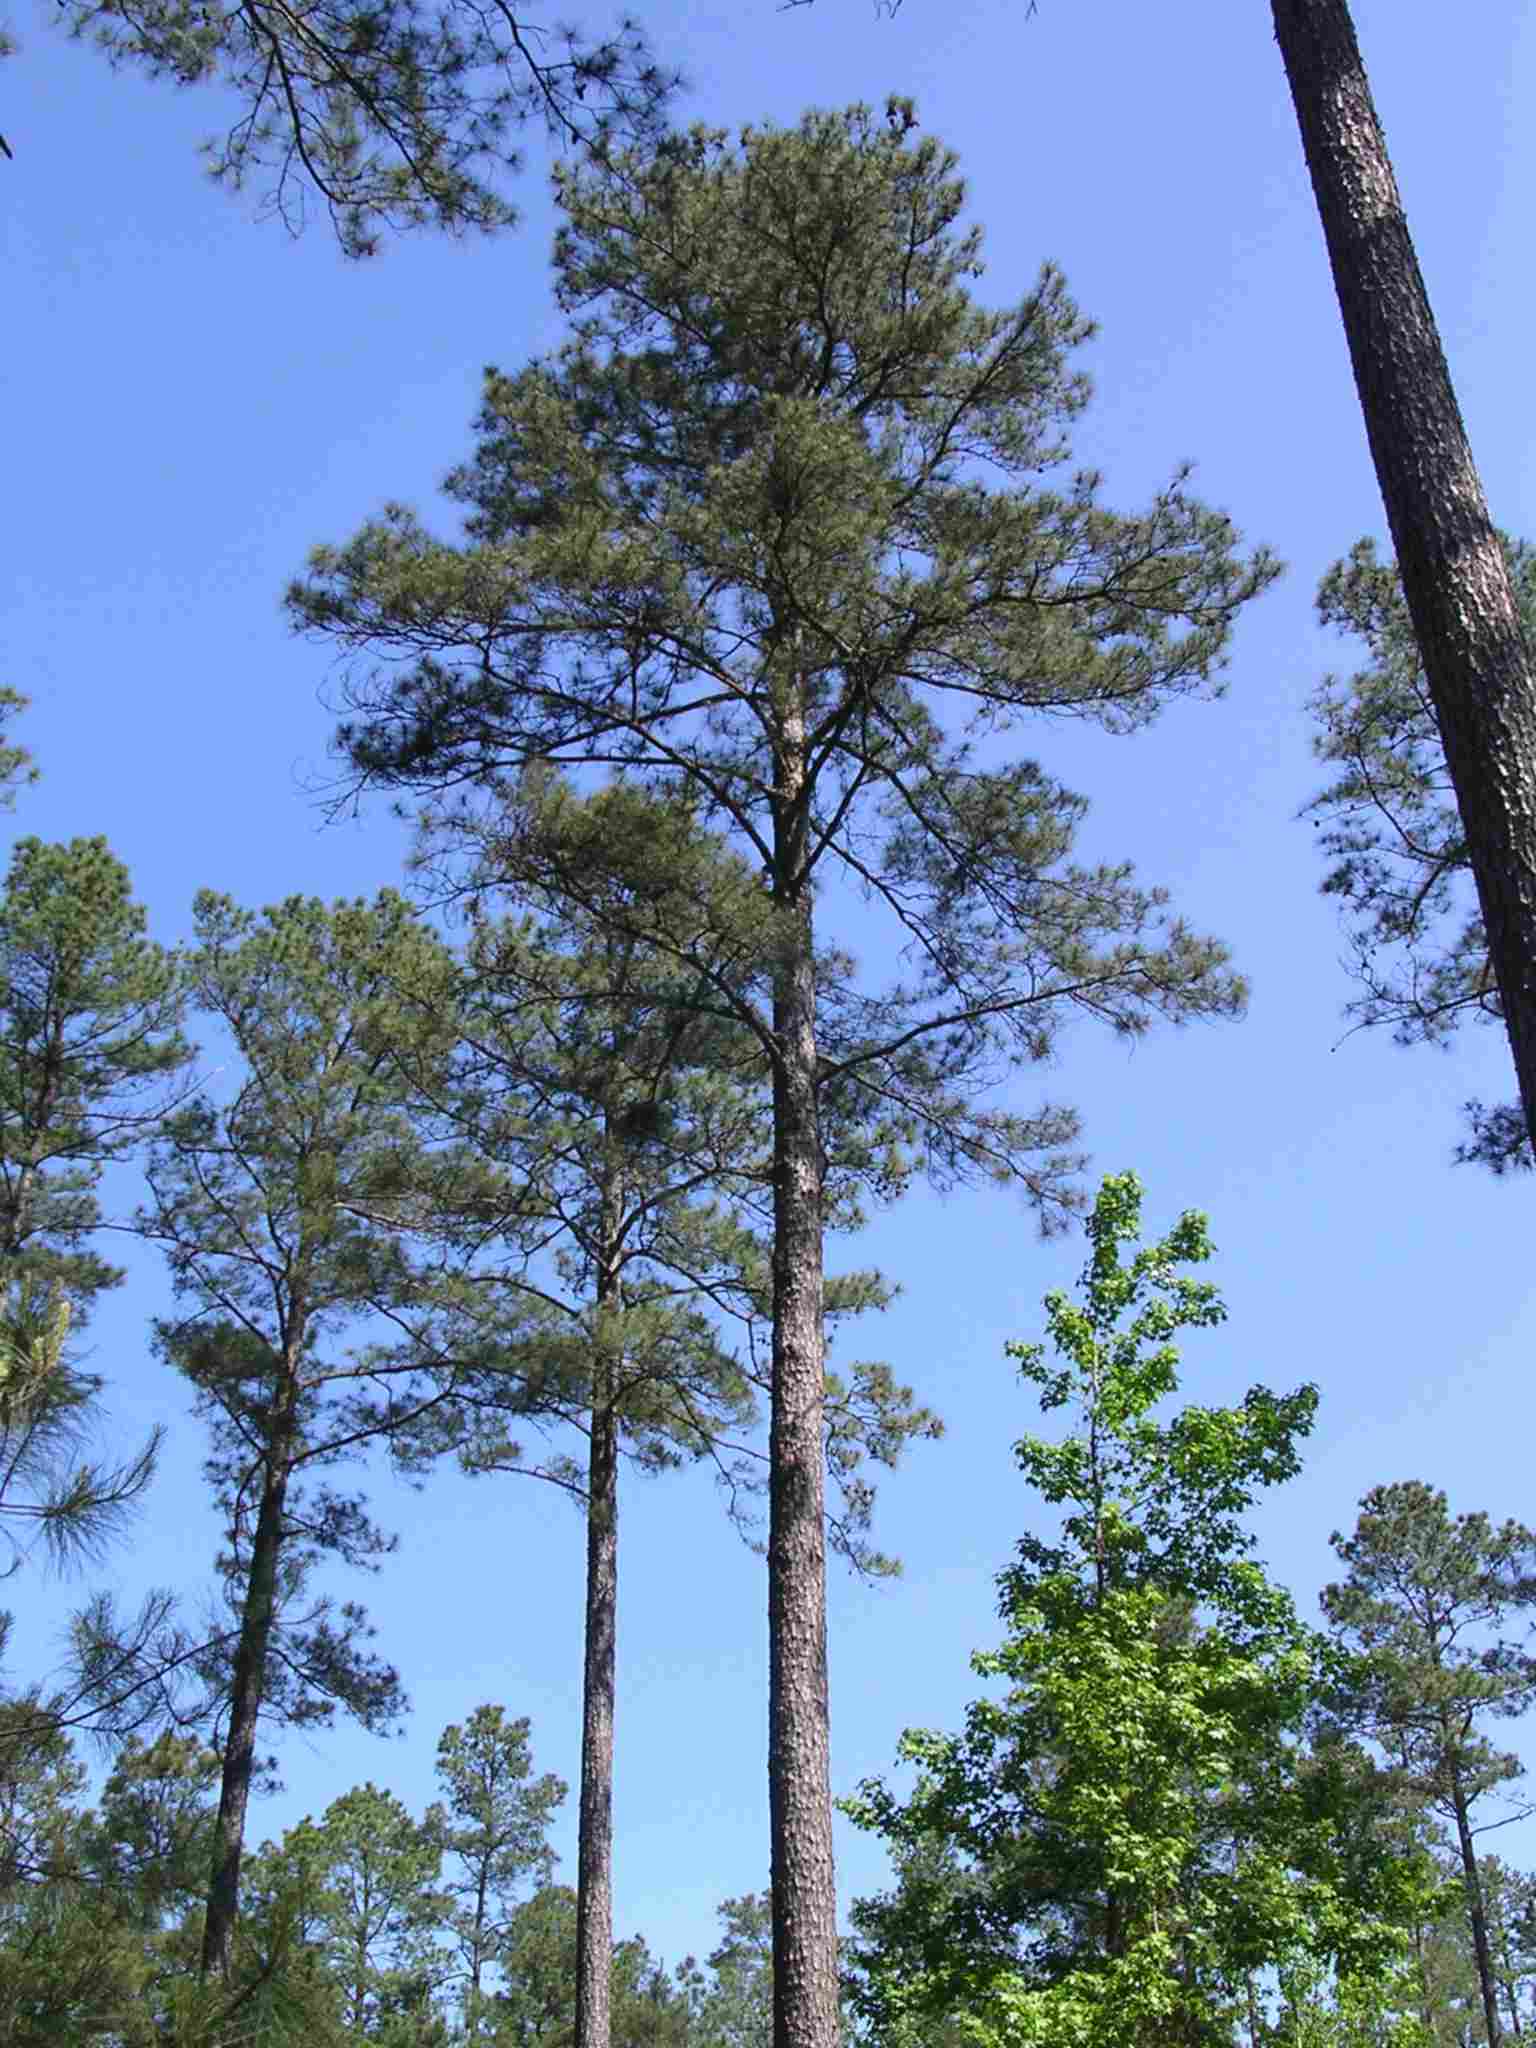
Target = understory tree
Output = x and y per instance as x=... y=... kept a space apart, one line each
x=1401 y=866
x=297 y=1216
x=1133 y=1842
x=493 y=1823
x=1436 y=1613
x=785 y=525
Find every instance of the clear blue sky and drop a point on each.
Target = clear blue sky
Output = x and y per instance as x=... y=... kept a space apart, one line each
x=192 y=400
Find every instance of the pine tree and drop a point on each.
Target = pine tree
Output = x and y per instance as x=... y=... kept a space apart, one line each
x=289 y=1213
x=628 y=1111
x=777 y=527
x=1435 y=1611
x=494 y=1823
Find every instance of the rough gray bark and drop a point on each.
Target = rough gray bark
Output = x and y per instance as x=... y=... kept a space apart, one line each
x=246 y=1693
x=805 y=2006
x=1478 y=667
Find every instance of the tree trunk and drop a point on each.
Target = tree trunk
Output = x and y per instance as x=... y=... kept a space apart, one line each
x=805 y=2004
x=594 y=1856
x=248 y=1687
x=1454 y=578
x=1476 y=1911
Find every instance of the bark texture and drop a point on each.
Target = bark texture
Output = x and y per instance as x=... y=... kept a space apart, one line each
x=1476 y=663
x=805 y=2004
x=248 y=1686
x=594 y=1855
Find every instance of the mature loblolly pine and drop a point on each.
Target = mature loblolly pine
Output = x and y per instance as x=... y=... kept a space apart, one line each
x=1400 y=859
x=1436 y=1612
x=1477 y=661
x=627 y=1107
x=494 y=1823
x=1108 y=1851
x=387 y=113
x=777 y=526
x=292 y=1210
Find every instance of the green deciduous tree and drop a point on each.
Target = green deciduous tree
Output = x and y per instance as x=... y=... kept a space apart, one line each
x=1118 y=1846
x=1436 y=1612
x=778 y=527
x=288 y=1213
x=1392 y=831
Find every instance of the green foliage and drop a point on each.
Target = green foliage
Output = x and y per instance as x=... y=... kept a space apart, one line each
x=786 y=492
x=1435 y=1610
x=50 y=1493
x=288 y=1212
x=388 y=114
x=735 y=2008
x=1392 y=832
x=1135 y=1829
x=605 y=1071
x=369 y=1875
x=16 y=764
x=1434 y=1618
x=494 y=1825
x=89 y=1034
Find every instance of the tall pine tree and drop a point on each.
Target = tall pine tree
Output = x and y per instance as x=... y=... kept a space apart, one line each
x=777 y=525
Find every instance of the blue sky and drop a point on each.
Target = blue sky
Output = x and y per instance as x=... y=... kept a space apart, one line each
x=193 y=400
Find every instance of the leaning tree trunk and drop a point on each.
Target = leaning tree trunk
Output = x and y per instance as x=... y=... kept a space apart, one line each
x=247 y=1689
x=594 y=1851
x=805 y=2005
x=1454 y=577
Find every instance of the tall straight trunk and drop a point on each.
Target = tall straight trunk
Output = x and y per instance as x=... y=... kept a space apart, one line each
x=805 y=2006
x=1476 y=1911
x=249 y=1684
x=594 y=1855
x=1478 y=668
x=594 y=1850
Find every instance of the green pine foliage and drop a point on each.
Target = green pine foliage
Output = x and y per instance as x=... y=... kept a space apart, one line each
x=90 y=1043
x=1391 y=831
x=801 y=492
x=384 y=114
